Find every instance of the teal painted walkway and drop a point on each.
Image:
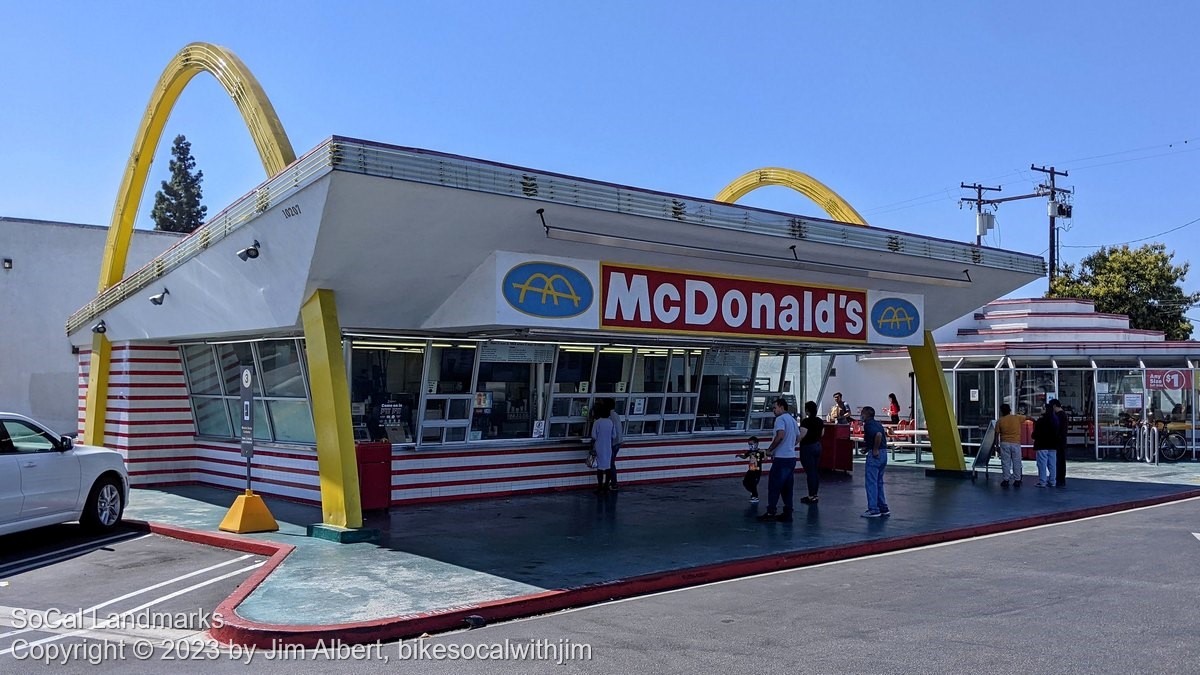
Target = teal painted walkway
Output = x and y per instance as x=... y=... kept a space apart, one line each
x=433 y=558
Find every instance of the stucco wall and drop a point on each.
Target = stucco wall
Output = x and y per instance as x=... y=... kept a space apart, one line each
x=55 y=270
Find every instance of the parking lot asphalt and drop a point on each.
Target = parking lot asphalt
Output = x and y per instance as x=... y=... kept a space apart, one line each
x=65 y=594
x=436 y=565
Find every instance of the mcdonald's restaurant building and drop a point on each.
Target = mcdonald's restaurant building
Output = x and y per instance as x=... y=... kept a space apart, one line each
x=471 y=313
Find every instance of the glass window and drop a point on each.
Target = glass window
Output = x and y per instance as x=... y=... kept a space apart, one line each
x=793 y=380
x=816 y=368
x=650 y=369
x=212 y=417
x=574 y=371
x=292 y=420
x=614 y=368
x=201 y=370
x=1119 y=404
x=725 y=390
x=26 y=438
x=769 y=376
x=281 y=374
x=385 y=387
x=451 y=367
x=975 y=400
x=503 y=402
x=231 y=357
x=1032 y=387
x=262 y=427
x=685 y=370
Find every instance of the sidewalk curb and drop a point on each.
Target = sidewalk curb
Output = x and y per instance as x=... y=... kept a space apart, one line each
x=264 y=635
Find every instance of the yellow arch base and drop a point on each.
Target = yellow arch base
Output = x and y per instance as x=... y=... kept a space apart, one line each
x=927 y=368
x=97 y=392
x=274 y=149
x=336 y=462
x=935 y=400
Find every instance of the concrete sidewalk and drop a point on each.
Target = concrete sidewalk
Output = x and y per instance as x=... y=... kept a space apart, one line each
x=534 y=553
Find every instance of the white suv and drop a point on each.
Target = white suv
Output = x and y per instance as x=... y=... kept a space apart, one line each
x=47 y=479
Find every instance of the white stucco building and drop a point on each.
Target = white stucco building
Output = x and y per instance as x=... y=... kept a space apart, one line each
x=49 y=270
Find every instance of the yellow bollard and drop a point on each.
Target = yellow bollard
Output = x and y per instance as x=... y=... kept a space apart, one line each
x=249 y=513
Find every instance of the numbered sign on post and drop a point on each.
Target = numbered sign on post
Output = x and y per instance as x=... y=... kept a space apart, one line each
x=247 y=411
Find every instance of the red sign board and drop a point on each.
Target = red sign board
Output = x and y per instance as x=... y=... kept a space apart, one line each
x=673 y=301
x=1168 y=379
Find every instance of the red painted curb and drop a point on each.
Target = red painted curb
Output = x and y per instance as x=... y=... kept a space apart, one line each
x=243 y=631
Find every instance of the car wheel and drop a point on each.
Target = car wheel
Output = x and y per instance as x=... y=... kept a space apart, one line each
x=104 y=505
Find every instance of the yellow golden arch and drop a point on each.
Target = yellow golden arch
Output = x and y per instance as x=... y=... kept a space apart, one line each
x=331 y=413
x=833 y=204
x=927 y=367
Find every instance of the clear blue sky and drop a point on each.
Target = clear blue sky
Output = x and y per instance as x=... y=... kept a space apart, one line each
x=891 y=104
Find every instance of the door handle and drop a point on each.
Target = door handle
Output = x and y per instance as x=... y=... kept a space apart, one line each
x=31 y=464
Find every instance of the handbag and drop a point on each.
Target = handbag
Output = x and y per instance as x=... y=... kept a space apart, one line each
x=591 y=459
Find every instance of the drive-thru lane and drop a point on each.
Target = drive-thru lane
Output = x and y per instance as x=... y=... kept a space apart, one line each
x=128 y=596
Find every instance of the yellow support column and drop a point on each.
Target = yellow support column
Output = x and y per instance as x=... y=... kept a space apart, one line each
x=336 y=462
x=97 y=391
x=939 y=413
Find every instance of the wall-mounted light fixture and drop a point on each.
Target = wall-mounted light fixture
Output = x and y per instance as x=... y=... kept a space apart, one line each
x=8 y=263
x=250 y=252
x=100 y=328
x=158 y=298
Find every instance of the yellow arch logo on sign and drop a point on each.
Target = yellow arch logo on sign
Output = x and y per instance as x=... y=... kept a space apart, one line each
x=266 y=130
x=548 y=288
x=893 y=317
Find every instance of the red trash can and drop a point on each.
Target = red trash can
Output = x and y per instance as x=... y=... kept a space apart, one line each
x=374 y=475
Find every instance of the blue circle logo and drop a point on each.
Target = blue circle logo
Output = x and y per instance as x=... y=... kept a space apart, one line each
x=895 y=318
x=547 y=290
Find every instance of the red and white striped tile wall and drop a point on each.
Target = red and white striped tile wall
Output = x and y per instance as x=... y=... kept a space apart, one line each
x=433 y=475
x=150 y=421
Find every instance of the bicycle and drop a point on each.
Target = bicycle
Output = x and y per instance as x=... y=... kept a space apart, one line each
x=1171 y=446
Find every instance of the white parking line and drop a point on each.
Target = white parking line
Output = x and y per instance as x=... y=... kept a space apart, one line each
x=28 y=563
x=6 y=612
x=116 y=618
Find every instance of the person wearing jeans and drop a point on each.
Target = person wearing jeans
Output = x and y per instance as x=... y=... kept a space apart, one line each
x=875 y=439
x=783 y=465
x=811 y=429
x=1045 y=442
x=1009 y=429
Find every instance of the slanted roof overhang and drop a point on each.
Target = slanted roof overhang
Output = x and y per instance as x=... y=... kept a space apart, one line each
x=395 y=232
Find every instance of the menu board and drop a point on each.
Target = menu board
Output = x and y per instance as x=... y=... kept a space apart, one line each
x=505 y=352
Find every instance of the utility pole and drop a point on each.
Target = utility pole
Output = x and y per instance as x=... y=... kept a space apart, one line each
x=979 y=202
x=1053 y=211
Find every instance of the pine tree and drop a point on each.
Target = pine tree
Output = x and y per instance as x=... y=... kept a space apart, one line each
x=177 y=205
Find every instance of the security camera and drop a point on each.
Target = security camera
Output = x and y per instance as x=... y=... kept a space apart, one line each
x=158 y=298
x=99 y=328
x=250 y=252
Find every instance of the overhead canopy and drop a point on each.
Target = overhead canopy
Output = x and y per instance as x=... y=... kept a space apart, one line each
x=411 y=240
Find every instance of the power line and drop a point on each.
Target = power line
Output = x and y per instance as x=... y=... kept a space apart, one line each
x=1134 y=241
x=944 y=194
x=1134 y=159
x=1126 y=152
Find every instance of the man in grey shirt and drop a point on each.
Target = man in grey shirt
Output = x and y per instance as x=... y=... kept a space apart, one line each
x=782 y=453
